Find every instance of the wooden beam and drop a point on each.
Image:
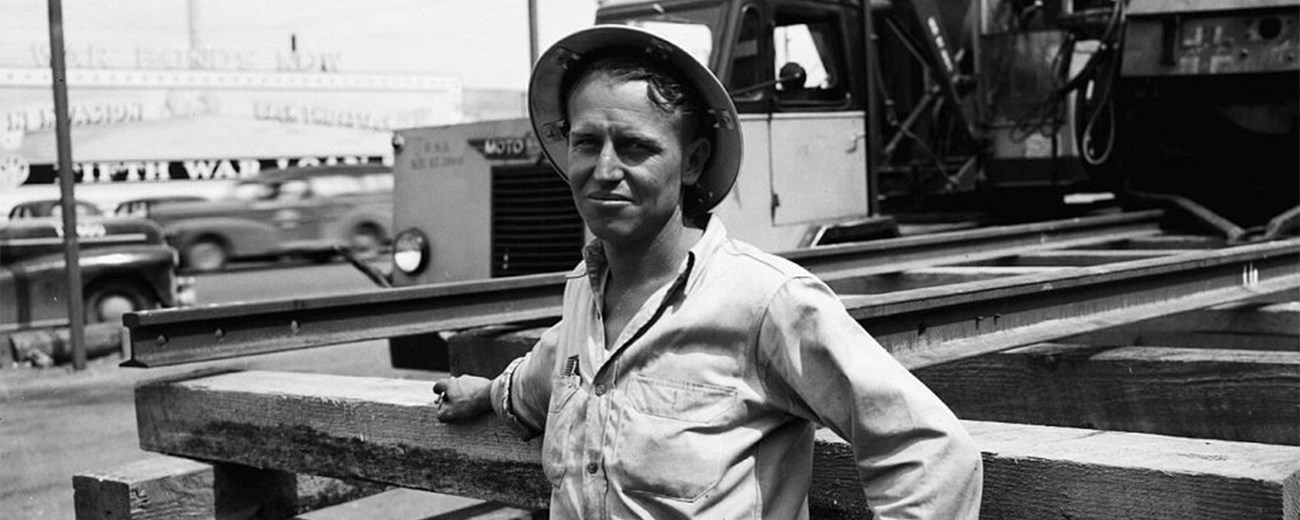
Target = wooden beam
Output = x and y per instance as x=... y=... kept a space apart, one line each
x=161 y=487
x=1252 y=327
x=929 y=277
x=1085 y=257
x=385 y=430
x=1168 y=241
x=410 y=504
x=1048 y=472
x=1247 y=396
x=381 y=430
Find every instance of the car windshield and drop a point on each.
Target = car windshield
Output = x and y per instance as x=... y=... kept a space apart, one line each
x=83 y=210
x=335 y=185
x=252 y=191
x=694 y=27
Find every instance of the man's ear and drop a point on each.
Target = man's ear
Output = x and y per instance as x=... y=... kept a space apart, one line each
x=697 y=155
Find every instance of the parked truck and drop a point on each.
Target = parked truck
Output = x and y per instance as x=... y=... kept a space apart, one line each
x=853 y=110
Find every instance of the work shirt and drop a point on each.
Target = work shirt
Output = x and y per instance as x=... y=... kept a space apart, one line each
x=705 y=405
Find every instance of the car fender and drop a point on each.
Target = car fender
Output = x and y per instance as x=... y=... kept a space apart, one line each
x=243 y=237
x=28 y=287
x=366 y=212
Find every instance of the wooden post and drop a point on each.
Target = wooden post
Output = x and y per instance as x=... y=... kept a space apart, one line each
x=163 y=488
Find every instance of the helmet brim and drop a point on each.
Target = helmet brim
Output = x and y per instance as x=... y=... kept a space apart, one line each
x=557 y=68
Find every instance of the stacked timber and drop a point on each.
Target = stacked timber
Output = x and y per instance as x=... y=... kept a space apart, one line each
x=1155 y=400
x=1067 y=430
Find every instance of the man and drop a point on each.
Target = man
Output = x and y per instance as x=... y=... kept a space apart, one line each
x=688 y=370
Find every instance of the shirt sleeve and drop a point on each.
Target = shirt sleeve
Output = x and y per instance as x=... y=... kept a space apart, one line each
x=914 y=458
x=522 y=392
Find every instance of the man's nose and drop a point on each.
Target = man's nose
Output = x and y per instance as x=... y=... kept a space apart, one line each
x=608 y=166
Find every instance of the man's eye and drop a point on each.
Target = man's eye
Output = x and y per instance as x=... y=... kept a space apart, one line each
x=637 y=150
x=584 y=144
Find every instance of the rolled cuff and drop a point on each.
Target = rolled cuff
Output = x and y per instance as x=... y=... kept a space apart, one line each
x=502 y=393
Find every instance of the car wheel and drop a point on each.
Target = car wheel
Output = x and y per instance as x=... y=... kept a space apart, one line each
x=106 y=302
x=366 y=242
x=205 y=254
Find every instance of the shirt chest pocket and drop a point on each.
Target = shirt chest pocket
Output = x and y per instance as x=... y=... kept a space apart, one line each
x=674 y=440
x=679 y=400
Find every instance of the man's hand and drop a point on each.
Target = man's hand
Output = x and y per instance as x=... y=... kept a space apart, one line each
x=463 y=398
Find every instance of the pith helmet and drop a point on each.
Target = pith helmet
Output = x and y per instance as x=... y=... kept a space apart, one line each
x=558 y=68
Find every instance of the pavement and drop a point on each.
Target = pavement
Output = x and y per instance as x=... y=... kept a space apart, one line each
x=55 y=423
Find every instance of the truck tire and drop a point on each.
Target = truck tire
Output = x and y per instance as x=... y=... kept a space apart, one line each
x=205 y=254
x=106 y=301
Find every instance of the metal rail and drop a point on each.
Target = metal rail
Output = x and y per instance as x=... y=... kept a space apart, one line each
x=929 y=326
x=175 y=336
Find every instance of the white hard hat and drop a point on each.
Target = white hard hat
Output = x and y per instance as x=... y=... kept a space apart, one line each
x=558 y=68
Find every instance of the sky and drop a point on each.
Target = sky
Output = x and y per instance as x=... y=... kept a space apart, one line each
x=484 y=43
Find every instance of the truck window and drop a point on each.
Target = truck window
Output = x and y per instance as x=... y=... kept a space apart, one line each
x=695 y=38
x=694 y=27
x=808 y=44
x=747 y=67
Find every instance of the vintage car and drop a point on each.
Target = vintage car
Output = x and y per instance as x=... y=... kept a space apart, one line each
x=141 y=207
x=125 y=266
x=300 y=211
x=49 y=208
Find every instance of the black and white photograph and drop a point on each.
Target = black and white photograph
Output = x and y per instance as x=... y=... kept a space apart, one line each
x=638 y=259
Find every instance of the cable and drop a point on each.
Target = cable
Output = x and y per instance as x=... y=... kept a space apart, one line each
x=1096 y=90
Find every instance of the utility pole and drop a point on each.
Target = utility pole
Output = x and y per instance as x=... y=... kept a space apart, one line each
x=71 y=255
x=532 y=33
x=872 y=121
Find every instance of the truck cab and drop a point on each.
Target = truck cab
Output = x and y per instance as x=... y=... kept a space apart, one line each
x=479 y=200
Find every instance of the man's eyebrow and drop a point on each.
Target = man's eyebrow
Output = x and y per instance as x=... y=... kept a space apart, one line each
x=619 y=132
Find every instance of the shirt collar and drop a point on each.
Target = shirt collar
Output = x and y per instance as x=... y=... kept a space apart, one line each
x=715 y=234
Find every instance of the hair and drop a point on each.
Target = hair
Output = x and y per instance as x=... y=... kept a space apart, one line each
x=667 y=92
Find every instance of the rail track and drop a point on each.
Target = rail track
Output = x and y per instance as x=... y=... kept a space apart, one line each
x=928 y=298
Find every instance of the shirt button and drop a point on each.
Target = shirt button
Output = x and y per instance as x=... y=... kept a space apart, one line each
x=592 y=467
x=600 y=389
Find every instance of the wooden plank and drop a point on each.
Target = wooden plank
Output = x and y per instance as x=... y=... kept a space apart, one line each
x=1270 y=327
x=1087 y=257
x=1169 y=241
x=929 y=277
x=163 y=488
x=410 y=504
x=1248 y=396
x=1049 y=472
x=384 y=430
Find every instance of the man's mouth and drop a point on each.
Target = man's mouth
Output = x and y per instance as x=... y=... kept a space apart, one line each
x=606 y=198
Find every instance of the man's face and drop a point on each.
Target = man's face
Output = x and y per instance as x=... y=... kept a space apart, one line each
x=627 y=160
